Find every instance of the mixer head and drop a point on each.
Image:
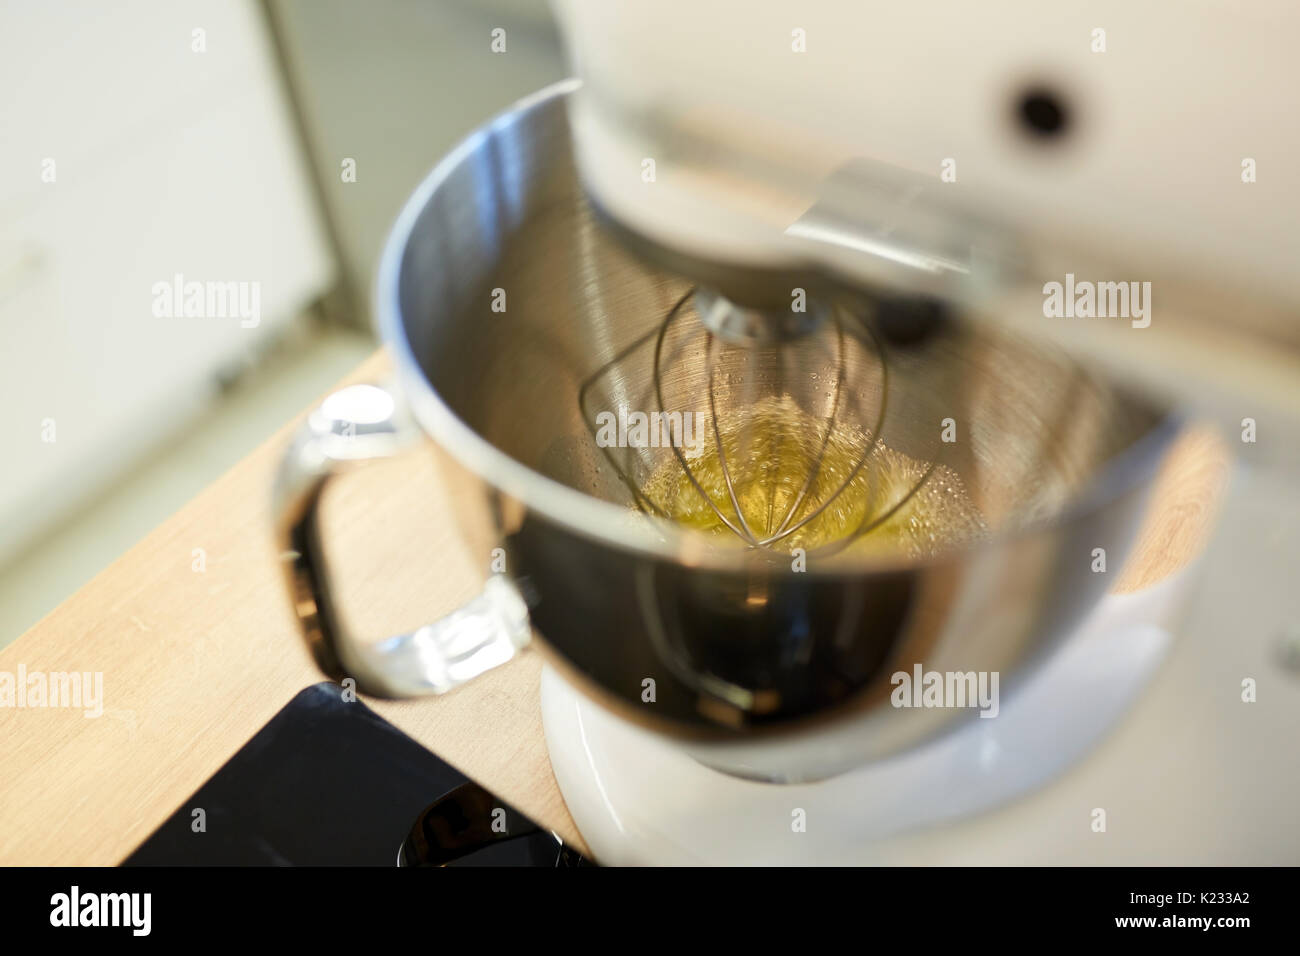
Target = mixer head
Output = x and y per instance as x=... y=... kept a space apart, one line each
x=970 y=156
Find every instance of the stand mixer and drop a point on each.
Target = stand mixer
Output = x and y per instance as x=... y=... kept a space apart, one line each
x=751 y=221
x=962 y=156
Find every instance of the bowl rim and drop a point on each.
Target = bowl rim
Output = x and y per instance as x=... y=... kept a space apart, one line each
x=618 y=526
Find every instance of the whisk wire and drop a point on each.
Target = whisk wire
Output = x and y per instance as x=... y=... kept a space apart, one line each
x=792 y=520
x=748 y=532
x=862 y=459
x=743 y=530
x=815 y=470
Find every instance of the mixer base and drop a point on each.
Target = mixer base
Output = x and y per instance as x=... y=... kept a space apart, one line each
x=637 y=800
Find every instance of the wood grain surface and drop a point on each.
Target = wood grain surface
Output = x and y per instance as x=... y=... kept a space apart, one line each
x=196 y=662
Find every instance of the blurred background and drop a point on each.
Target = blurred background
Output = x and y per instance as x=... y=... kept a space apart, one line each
x=272 y=143
x=253 y=141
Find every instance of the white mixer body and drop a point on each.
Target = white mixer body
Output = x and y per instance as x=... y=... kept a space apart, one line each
x=1181 y=120
x=721 y=132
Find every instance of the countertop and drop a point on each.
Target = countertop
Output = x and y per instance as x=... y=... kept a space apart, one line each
x=198 y=647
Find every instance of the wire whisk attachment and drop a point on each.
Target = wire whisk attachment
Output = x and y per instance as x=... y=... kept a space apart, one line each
x=774 y=443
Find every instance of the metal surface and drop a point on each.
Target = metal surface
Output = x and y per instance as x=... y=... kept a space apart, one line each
x=735 y=644
x=755 y=327
x=757 y=363
x=357 y=424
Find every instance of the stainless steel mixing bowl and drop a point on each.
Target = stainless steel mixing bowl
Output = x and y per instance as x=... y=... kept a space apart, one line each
x=759 y=669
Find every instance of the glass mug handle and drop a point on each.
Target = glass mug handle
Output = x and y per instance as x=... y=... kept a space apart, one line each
x=353 y=425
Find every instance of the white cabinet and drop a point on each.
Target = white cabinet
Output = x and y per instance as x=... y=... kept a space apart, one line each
x=164 y=160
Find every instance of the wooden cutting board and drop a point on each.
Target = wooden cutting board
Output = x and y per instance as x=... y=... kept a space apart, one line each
x=196 y=661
